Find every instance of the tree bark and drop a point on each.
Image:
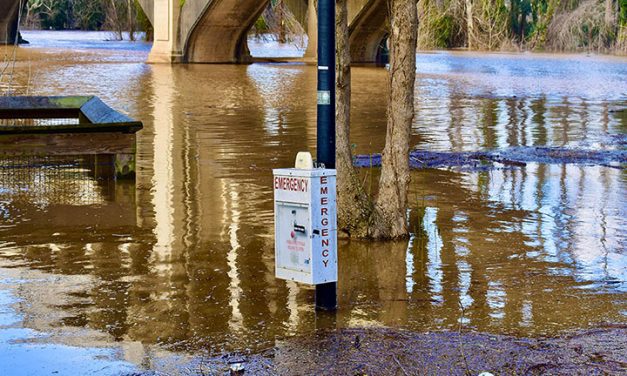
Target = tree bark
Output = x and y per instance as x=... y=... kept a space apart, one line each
x=281 y=23
x=470 y=24
x=115 y=20
x=130 y=20
x=391 y=203
x=355 y=208
x=612 y=25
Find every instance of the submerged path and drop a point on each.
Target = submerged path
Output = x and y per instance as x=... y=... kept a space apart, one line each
x=514 y=156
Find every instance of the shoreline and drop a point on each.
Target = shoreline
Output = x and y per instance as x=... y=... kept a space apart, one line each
x=351 y=351
x=454 y=50
x=384 y=351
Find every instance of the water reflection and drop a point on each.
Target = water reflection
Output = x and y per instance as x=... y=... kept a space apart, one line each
x=183 y=259
x=504 y=122
x=529 y=234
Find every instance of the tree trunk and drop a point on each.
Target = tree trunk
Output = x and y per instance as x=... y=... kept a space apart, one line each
x=355 y=208
x=391 y=201
x=130 y=20
x=115 y=20
x=281 y=15
x=609 y=13
x=470 y=24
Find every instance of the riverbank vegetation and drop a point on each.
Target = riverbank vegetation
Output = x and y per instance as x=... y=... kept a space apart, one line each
x=550 y=25
x=490 y=25
x=280 y=22
x=121 y=17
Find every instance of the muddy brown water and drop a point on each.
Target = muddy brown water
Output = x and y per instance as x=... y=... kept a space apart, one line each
x=182 y=259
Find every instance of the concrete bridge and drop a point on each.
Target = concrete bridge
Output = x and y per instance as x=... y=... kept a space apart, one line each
x=8 y=21
x=216 y=31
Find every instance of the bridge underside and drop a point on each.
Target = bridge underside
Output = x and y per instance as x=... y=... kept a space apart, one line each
x=216 y=31
x=221 y=34
x=368 y=31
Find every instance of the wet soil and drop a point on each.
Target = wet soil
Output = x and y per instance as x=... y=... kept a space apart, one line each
x=379 y=351
x=509 y=157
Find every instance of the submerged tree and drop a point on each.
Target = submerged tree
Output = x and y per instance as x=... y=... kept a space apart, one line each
x=386 y=215
x=391 y=202
x=355 y=208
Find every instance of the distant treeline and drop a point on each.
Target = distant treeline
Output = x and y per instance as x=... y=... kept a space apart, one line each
x=118 y=16
x=553 y=25
x=549 y=25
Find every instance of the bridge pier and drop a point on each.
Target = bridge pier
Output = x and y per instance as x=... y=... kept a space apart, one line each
x=311 y=53
x=8 y=21
x=165 y=17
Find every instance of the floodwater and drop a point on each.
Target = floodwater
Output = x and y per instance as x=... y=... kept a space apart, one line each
x=181 y=261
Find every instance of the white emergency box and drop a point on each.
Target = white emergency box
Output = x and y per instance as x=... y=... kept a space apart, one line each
x=305 y=220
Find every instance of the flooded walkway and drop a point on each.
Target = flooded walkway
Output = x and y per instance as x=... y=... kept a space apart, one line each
x=180 y=262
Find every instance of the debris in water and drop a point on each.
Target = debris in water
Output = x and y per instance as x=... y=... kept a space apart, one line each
x=510 y=157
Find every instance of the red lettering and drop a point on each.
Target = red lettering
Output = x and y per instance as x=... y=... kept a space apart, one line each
x=325 y=221
x=323 y=180
x=325 y=253
x=324 y=190
x=325 y=242
x=324 y=201
x=325 y=232
x=291 y=184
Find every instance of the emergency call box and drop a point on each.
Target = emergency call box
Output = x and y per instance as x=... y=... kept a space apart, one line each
x=305 y=221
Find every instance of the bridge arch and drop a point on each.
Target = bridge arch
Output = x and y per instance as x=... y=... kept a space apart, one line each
x=368 y=32
x=215 y=31
x=220 y=33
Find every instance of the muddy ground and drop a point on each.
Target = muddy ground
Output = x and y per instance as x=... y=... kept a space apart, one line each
x=600 y=351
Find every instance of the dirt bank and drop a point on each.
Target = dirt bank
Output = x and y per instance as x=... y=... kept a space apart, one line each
x=393 y=352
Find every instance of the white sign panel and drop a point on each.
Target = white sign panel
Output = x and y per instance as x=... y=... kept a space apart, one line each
x=305 y=220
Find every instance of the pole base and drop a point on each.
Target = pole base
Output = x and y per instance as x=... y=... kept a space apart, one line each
x=326 y=296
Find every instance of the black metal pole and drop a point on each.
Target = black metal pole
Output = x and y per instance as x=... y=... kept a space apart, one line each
x=326 y=294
